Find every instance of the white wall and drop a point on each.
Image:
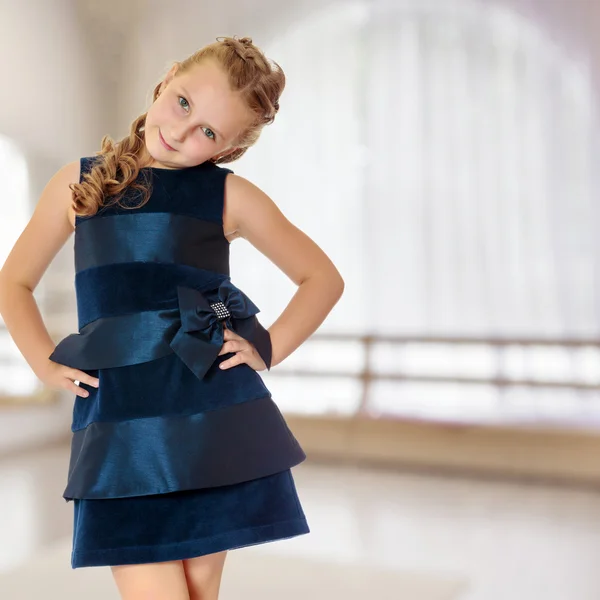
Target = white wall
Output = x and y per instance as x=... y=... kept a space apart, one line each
x=51 y=106
x=572 y=24
x=49 y=98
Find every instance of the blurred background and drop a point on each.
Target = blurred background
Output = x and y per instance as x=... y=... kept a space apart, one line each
x=445 y=155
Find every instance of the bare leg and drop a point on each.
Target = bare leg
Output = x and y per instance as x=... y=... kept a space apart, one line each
x=203 y=575
x=153 y=581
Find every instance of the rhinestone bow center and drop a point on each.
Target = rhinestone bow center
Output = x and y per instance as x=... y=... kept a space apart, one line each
x=221 y=311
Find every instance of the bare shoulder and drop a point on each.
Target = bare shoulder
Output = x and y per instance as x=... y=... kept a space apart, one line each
x=246 y=205
x=69 y=174
x=48 y=229
x=250 y=213
x=244 y=198
x=57 y=194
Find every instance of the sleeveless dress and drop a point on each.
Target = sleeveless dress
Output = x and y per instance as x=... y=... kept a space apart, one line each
x=171 y=457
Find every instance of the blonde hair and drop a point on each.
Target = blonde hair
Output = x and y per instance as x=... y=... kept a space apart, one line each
x=258 y=80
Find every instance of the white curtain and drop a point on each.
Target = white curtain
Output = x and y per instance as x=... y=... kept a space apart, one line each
x=443 y=155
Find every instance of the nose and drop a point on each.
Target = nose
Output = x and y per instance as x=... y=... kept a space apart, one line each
x=178 y=134
x=180 y=131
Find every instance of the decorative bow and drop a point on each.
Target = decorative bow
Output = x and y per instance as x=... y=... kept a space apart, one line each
x=200 y=338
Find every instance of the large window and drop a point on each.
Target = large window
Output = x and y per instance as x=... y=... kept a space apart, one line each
x=443 y=156
x=17 y=382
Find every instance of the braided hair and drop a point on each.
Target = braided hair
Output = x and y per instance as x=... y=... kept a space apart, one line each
x=258 y=80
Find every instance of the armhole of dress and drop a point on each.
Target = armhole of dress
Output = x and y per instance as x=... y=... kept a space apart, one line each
x=225 y=171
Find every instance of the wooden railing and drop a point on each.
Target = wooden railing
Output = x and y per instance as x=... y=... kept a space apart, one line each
x=499 y=345
x=367 y=374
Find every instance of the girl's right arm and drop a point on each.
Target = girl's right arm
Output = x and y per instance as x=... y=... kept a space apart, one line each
x=47 y=231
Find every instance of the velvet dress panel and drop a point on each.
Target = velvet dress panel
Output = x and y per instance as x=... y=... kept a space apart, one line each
x=171 y=457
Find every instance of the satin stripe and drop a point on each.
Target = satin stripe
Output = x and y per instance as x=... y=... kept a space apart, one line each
x=151 y=237
x=158 y=455
x=119 y=341
x=192 y=330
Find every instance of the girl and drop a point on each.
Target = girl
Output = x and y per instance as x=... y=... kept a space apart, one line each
x=178 y=451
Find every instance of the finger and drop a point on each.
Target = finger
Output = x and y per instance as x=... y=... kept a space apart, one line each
x=82 y=377
x=238 y=359
x=240 y=345
x=230 y=346
x=228 y=334
x=75 y=389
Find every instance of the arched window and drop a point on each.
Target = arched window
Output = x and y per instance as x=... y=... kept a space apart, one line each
x=442 y=155
x=16 y=378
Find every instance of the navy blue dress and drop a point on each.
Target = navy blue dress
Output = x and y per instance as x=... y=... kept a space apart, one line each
x=171 y=457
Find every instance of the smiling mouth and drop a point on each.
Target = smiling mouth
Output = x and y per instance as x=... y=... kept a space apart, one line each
x=162 y=141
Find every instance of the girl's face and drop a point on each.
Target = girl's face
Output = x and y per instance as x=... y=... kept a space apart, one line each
x=195 y=117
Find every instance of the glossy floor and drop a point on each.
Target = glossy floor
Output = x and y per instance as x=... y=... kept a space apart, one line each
x=374 y=534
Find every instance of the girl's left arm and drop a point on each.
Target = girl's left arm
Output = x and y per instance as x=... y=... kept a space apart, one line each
x=254 y=216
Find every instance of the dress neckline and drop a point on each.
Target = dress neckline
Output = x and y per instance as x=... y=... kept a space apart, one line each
x=163 y=169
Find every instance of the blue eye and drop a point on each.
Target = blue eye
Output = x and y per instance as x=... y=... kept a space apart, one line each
x=186 y=102
x=212 y=134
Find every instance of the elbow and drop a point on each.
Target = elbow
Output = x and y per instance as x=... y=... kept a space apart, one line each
x=330 y=279
x=338 y=283
x=4 y=283
x=8 y=284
